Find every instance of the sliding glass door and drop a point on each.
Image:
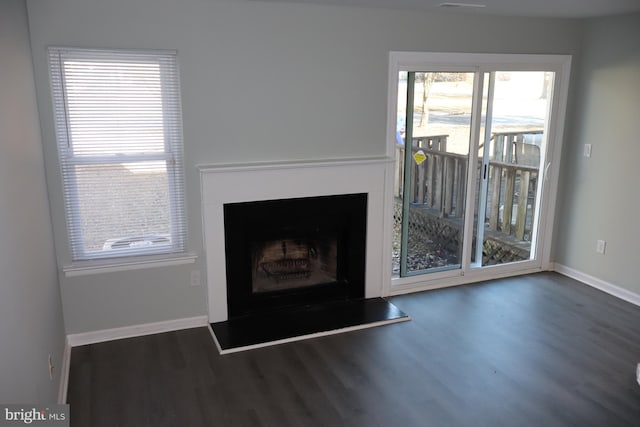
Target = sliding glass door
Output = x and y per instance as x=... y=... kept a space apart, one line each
x=433 y=131
x=510 y=156
x=472 y=137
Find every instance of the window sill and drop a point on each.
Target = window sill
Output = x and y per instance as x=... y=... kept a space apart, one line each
x=86 y=268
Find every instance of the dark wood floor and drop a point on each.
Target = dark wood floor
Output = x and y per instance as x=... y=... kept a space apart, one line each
x=539 y=350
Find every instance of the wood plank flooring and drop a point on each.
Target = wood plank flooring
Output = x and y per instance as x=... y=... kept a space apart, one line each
x=537 y=350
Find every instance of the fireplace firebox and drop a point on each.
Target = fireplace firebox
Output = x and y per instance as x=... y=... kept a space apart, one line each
x=295 y=252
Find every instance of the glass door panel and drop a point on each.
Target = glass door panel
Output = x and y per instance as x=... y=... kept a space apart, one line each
x=511 y=156
x=432 y=157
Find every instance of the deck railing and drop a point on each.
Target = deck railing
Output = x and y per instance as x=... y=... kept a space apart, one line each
x=439 y=182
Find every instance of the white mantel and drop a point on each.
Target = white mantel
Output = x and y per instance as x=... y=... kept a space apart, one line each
x=236 y=183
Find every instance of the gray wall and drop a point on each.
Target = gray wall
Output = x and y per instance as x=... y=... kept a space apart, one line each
x=600 y=194
x=260 y=81
x=31 y=323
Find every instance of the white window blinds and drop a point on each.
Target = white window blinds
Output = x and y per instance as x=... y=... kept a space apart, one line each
x=119 y=131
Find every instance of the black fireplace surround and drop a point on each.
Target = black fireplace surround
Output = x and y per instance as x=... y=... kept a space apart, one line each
x=288 y=253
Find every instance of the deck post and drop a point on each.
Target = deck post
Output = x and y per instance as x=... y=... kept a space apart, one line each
x=438 y=184
x=421 y=189
x=508 y=200
x=460 y=185
x=431 y=163
x=496 y=185
x=523 y=197
x=449 y=185
x=415 y=184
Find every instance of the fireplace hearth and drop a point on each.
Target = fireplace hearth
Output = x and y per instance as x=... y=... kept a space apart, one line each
x=295 y=252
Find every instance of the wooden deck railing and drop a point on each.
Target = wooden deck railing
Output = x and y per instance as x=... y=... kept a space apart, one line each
x=439 y=182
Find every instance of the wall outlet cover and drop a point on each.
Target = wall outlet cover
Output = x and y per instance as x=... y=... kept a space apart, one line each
x=195 y=278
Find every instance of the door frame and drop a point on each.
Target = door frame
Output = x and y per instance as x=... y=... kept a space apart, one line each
x=480 y=63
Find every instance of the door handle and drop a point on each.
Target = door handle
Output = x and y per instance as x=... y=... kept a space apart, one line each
x=546 y=171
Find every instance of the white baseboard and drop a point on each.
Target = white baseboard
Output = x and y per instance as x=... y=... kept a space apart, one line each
x=64 y=372
x=104 y=335
x=597 y=283
x=93 y=337
x=306 y=337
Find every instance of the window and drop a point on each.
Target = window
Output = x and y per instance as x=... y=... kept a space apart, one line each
x=119 y=132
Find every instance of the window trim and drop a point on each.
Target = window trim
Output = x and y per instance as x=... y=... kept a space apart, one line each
x=83 y=261
x=134 y=262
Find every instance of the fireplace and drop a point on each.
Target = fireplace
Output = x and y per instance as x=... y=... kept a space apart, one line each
x=296 y=249
x=231 y=184
x=295 y=252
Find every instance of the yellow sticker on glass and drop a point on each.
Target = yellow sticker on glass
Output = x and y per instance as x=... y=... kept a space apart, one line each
x=419 y=157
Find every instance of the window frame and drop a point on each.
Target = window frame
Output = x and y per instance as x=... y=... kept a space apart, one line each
x=84 y=260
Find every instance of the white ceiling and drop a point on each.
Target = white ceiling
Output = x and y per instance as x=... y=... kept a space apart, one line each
x=532 y=8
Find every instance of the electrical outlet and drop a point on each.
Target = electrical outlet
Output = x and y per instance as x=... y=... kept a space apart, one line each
x=51 y=367
x=195 y=277
x=601 y=246
x=587 y=150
